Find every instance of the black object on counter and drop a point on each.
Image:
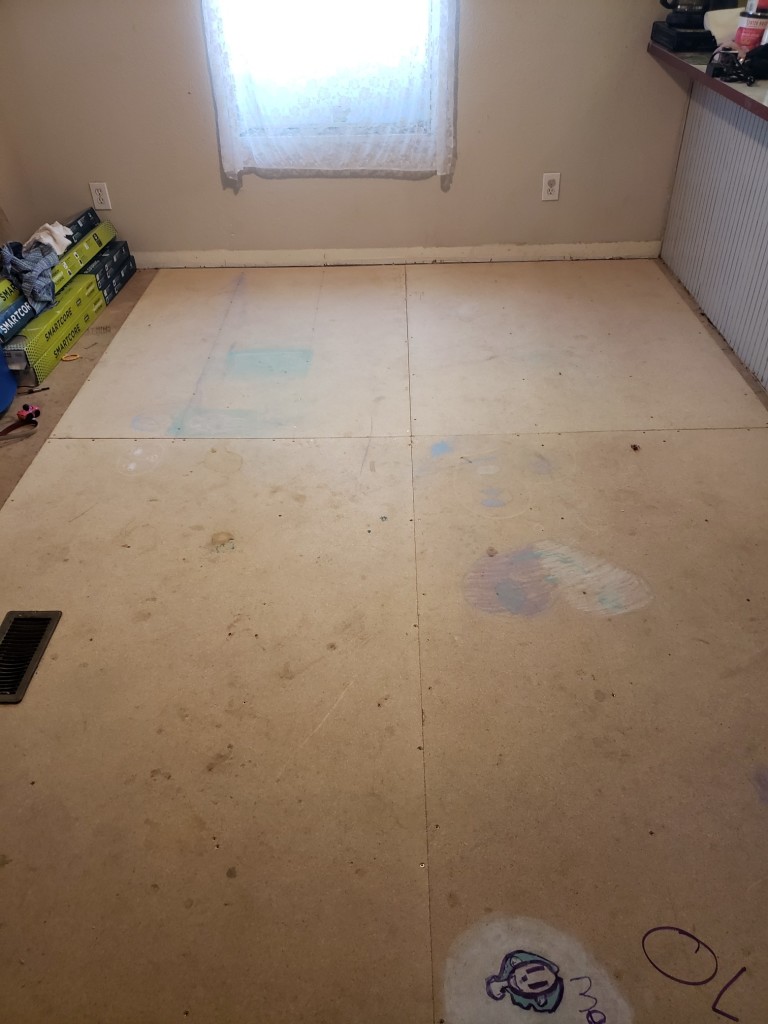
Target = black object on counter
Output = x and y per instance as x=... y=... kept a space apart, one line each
x=683 y=31
x=725 y=64
x=756 y=62
x=683 y=40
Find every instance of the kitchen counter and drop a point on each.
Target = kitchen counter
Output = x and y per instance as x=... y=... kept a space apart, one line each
x=716 y=238
x=753 y=98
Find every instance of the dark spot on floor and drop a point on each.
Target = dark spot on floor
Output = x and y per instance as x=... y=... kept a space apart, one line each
x=219 y=758
x=155 y=887
x=635 y=447
x=4 y=861
x=231 y=872
x=600 y=695
x=491 y=552
x=453 y=899
x=760 y=780
x=158 y=773
x=189 y=903
x=331 y=647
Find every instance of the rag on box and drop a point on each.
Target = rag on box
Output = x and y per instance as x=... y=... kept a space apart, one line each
x=29 y=266
x=31 y=272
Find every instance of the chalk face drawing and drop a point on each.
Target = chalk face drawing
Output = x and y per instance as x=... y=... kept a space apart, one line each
x=527 y=581
x=509 y=970
x=531 y=981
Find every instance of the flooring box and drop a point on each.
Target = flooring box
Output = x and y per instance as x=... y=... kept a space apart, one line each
x=33 y=354
x=9 y=293
x=82 y=224
x=14 y=318
x=124 y=273
x=108 y=262
x=78 y=255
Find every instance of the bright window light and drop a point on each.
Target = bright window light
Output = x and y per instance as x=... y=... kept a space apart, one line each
x=327 y=86
x=287 y=42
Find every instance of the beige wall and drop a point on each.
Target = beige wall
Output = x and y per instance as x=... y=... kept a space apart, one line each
x=15 y=200
x=118 y=91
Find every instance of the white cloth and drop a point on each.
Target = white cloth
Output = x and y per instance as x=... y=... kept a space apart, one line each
x=723 y=24
x=55 y=235
x=350 y=86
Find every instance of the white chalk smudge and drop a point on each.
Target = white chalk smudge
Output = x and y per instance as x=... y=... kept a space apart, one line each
x=591 y=584
x=141 y=458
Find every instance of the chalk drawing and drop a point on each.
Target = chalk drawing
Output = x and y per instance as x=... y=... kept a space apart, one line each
x=687 y=960
x=508 y=968
x=269 y=362
x=150 y=423
x=141 y=457
x=227 y=423
x=492 y=498
x=531 y=982
x=541 y=465
x=490 y=484
x=526 y=582
x=440 y=448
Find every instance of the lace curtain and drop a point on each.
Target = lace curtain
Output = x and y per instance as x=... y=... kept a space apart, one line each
x=333 y=86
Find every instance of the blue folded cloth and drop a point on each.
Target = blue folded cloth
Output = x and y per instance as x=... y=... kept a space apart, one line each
x=31 y=272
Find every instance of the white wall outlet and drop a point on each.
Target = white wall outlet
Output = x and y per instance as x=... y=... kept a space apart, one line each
x=100 y=195
x=550 y=185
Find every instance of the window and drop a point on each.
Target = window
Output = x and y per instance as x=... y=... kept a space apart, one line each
x=333 y=86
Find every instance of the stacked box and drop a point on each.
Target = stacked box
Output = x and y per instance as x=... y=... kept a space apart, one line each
x=82 y=224
x=9 y=293
x=108 y=262
x=76 y=257
x=15 y=317
x=124 y=273
x=33 y=354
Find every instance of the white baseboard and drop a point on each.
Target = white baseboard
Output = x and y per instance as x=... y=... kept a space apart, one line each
x=373 y=257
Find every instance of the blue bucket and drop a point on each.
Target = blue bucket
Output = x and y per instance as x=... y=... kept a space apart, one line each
x=7 y=384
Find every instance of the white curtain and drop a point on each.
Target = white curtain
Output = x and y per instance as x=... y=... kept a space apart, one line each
x=333 y=86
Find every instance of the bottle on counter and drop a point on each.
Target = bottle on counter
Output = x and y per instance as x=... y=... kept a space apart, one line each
x=752 y=28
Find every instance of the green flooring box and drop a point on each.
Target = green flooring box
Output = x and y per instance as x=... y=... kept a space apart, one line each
x=76 y=257
x=9 y=293
x=35 y=352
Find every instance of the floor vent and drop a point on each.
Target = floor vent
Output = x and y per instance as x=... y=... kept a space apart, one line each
x=23 y=639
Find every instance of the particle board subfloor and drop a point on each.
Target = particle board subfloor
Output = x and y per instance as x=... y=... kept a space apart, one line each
x=411 y=619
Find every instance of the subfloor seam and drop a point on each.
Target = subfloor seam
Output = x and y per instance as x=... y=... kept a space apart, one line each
x=413 y=436
x=418 y=648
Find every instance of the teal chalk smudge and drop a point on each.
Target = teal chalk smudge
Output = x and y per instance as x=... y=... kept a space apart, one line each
x=269 y=362
x=197 y=422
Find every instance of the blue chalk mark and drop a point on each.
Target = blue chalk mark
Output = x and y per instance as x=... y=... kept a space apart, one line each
x=522 y=597
x=441 y=448
x=611 y=603
x=269 y=362
x=493 y=498
x=197 y=422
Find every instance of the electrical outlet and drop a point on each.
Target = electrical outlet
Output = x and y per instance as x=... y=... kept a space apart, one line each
x=100 y=195
x=550 y=186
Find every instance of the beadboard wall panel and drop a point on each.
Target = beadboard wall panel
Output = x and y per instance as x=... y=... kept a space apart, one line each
x=716 y=240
